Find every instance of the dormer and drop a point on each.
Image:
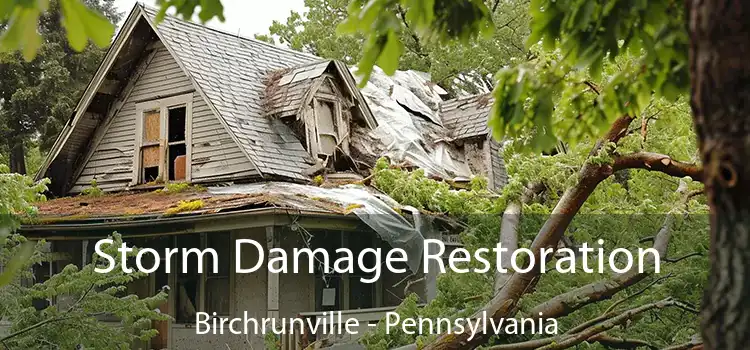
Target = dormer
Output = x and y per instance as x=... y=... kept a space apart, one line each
x=321 y=104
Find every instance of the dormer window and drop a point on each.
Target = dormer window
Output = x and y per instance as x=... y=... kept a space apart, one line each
x=327 y=129
x=162 y=150
x=328 y=137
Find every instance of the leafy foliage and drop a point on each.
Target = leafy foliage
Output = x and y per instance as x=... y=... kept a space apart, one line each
x=22 y=18
x=17 y=193
x=83 y=300
x=442 y=19
x=81 y=296
x=624 y=209
x=93 y=190
x=37 y=96
x=453 y=65
x=186 y=8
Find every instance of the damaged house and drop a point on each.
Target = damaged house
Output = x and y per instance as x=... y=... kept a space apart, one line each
x=260 y=128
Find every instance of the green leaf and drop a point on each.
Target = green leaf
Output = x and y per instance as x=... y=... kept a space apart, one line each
x=82 y=24
x=211 y=9
x=392 y=49
x=21 y=33
x=16 y=263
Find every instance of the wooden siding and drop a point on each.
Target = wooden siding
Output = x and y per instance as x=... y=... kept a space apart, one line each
x=216 y=157
x=499 y=176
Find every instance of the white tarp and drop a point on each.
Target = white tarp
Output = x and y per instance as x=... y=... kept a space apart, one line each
x=392 y=101
x=375 y=210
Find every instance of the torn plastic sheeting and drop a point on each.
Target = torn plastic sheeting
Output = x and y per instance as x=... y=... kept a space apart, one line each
x=407 y=99
x=396 y=130
x=418 y=83
x=375 y=211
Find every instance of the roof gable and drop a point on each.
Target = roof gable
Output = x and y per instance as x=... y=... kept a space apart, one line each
x=230 y=72
x=227 y=71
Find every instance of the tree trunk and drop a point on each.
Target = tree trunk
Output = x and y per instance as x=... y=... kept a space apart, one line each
x=720 y=99
x=17 y=157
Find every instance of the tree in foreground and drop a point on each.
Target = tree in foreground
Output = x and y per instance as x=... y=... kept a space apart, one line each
x=698 y=48
x=38 y=92
x=65 y=310
x=563 y=94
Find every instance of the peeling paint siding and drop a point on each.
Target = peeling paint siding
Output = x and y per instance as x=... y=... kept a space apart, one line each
x=216 y=157
x=220 y=158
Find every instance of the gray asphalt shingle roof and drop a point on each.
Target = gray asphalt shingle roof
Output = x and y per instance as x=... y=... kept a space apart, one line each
x=232 y=72
x=290 y=88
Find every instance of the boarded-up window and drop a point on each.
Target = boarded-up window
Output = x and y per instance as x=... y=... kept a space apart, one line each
x=163 y=146
x=151 y=147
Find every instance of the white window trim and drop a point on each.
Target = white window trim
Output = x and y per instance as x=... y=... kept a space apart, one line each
x=163 y=105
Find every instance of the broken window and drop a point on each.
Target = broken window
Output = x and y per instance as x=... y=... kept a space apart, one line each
x=164 y=140
x=177 y=149
x=207 y=292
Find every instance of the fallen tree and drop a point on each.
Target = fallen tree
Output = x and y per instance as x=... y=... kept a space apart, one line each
x=607 y=157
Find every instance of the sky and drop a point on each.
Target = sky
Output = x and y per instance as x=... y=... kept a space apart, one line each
x=244 y=17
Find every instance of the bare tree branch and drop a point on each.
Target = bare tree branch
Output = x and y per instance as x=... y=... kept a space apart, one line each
x=674 y=260
x=620 y=343
x=509 y=232
x=589 y=333
x=658 y=162
x=694 y=344
x=571 y=301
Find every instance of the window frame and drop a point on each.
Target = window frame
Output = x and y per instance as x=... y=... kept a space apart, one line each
x=163 y=105
x=201 y=297
x=337 y=117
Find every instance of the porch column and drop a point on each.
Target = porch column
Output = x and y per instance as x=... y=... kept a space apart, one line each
x=272 y=241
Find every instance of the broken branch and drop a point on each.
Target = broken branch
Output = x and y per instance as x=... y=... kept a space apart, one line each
x=571 y=301
x=589 y=333
x=658 y=162
x=674 y=260
x=503 y=304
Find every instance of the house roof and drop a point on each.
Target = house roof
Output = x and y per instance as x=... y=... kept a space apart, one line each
x=233 y=75
x=163 y=204
x=231 y=72
x=467 y=117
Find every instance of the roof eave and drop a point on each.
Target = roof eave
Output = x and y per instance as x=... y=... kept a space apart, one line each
x=109 y=58
x=186 y=223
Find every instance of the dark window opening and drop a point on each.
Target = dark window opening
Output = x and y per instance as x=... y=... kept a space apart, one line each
x=176 y=124
x=361 y=295
x=188 y=284
x=177 y=154
x=217 y=284
x=151 y=174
